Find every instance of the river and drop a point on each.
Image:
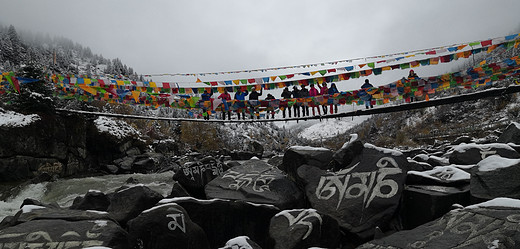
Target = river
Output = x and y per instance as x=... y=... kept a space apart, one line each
x=64 y=191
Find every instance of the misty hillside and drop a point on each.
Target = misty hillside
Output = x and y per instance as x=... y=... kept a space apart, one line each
x=53 y=55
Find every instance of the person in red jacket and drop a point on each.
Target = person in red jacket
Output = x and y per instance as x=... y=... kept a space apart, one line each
x=226 y=97
x=324 y=91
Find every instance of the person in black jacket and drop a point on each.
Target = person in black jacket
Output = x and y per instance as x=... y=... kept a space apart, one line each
x=304 y=93
x=270 y=109
x=254 y=104
x=296 y=95
x=286 y=94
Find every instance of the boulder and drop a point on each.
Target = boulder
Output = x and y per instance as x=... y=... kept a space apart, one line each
x=258 y=182
x=297 y=156
x=304 y=228
x=93 y=200
x=473 y=153
x=276 y=161
x=165 y=226
x=241 y=242
x=194 y=176
x=440 y=175
x=495 y=177
x=223 y=220
x=126 y=204
x=350 y=150
x=511 y=134
x=362 y=196
x=178 y=191
x=487 y=225
x=425 y=203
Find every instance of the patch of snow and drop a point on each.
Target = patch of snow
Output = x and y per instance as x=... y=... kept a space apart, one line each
x=101 y=223
x=331 y=127
x=517 y=125
x=94 y=191
x=461 y=148
x=98 y=247
x=448 y=173
x=30 y=208
x=14 y=119
x=498 y=202
x=172 y=200
x=308 y=148
x=160 y=206
x=384 y=150
x=495 y=162
x=96 y=212
x=116 y=128
x=261 y=205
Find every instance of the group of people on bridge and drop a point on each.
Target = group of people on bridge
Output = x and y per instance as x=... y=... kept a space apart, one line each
x=296 y=102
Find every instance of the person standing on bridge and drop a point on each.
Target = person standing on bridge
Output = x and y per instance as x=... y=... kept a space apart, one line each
x=270 y=108
x=205 y=97
x=333 y=90
x=296 y=96
x=240 y=96
x=253 y=102
x=324 y=91
x=313 y=92
x=367 y=97
x=286 y=95
x=226 y=98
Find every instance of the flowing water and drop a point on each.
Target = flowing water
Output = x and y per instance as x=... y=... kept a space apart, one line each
x=65 y=191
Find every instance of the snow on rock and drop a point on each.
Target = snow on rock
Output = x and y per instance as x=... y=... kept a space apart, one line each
x=238 y=242
x=464 y=147
x=307 y=148
x=384 y=150
x=116 y=128
x=30 y=208
x=495 y=162
x=14 y=119
x=498 y=202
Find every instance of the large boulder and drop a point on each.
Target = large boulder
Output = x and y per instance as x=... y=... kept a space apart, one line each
x=258 y=182
x=241 y=242
x=223 y=220
x=424 y=203
x=364 y=195
x=487 y=225
x=297 y=156
x=511 y=134
x=128 y=203
x=194 y=176
x=473 y=153
x=304 y=228
x=166 y=226
x=495 y=177
x=93 y=200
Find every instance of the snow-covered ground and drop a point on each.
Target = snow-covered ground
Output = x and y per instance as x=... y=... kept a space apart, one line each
x=14 y=119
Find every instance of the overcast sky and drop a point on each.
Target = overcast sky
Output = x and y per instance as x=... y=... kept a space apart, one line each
x=191 y=36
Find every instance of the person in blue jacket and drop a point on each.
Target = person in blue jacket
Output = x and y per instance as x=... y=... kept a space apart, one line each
x=367 y=98
x=241 y=97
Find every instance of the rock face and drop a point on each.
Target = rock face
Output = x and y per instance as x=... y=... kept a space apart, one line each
x=60 y=150
x=495 y=177
x=166 y=226
x=440 y=175
x=93 y=200
x=258 y=182
x=466 y=154
x=304 y=228
x=474 y=227
x=362 y=196
x=511 y=134
x=223 y=220
x=241 y=242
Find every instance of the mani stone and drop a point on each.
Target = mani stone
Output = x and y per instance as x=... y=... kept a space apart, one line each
x=258 y=182
x=495 y=177
x=166 y=226
x=466 y=154
x=494 y=224
x=364 y=194
x=223 y=220
x=93 y=200
x=304 y=228
x=440 y=175
x=194 y=176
